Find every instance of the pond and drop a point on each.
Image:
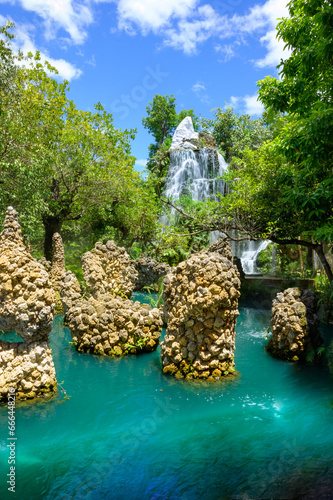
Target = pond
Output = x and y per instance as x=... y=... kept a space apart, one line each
x=127 y=431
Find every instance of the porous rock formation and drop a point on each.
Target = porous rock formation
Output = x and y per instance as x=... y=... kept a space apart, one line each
x=105 y=323
x=70 y=290
x=57 y=269
x=108 y=270
x=26 y=307
x=113 y=326
x=221 y=246
x=201 y=300
x=149 y=273
x=294 y=325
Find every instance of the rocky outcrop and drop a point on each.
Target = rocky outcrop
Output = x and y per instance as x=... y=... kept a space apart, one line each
x=113 y=326
x=70 y=290
x=46 y=263
x=149 y=273
x=58 y=261
x=28 y=368
x=58 y=268
x=201 y=300
x=238 y=263
x=207 y=140
x=26 y=307
x=104 y=322
x=221 y=246
x=185 y=136
x=294 y=325
x=108 y=270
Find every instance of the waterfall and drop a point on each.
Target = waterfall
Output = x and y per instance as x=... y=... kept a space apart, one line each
x=248 y=257
x=195 y=173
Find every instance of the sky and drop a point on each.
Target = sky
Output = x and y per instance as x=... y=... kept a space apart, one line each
x=121 y=53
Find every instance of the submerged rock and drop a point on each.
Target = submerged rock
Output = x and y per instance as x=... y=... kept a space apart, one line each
x=26 y=307
x=294 y=325
x=201 y=300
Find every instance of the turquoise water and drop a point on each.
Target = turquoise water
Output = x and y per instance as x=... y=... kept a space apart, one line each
x=129 y=432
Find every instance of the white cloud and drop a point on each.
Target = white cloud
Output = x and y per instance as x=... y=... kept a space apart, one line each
x=188 y=34
x=275 y=50
x=151 y=15
x=70 y=15
x=226 y=51
x=252 y=105
x=23 y=41
x=265 y=18
x=199 y=89
x=141 y=163
x=261 y=16
x=234 y=101
x=182 y=24
x=248 y=104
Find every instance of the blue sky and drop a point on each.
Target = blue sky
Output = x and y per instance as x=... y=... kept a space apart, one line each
x=123 y=52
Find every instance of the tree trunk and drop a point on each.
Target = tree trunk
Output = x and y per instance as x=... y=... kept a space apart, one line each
x=318 y=247
x=301 y=258
x=52 y=224
x=321 y=254
x=310 y=259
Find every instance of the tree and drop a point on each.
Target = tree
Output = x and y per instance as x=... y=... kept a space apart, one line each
x=161 y=121
x=161 y=117
x=234 y=132
x=283 y=189
x=305 y=94
x=58 y=162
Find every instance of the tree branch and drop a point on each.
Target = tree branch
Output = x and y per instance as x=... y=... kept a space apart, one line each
x=168 y=202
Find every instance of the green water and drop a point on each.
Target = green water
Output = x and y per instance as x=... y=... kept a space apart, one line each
x=129 y=432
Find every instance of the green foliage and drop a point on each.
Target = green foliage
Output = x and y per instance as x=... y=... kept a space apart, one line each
x=177 y=240
x=59 y=164
x=161 y=117
x=324 y=289
x=161 y=121
x=315 y=355
x=234 y=132
x=156 y=302
x=305 y=93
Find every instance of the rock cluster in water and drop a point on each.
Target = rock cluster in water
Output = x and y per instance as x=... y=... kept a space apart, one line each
x=26 y=307
x=108 y=270
x=149 y=273
x=104 y=323
x=294 y=325
x=201 y=302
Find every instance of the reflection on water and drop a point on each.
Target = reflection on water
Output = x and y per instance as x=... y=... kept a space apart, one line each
x=129 y=432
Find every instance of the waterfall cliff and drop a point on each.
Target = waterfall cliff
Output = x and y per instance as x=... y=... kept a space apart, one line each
x=194 y=170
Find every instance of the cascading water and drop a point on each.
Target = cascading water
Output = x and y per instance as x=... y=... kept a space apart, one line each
x=195 y=172
x=248 y=257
